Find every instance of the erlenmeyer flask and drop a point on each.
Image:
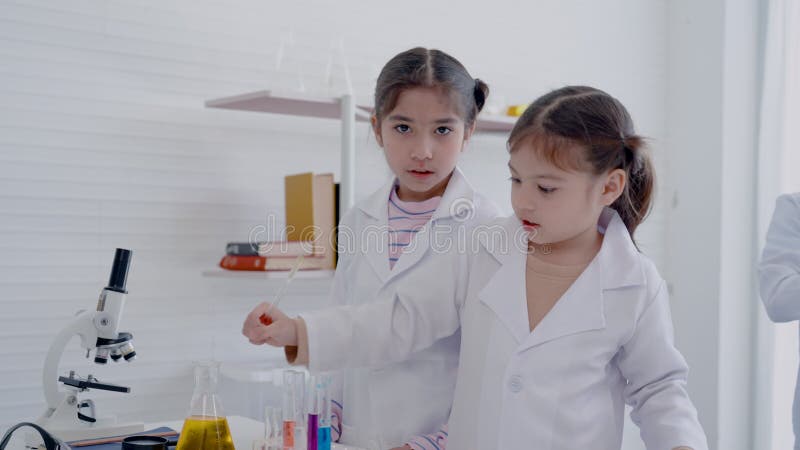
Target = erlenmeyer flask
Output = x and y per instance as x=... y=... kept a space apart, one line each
x=206 y=427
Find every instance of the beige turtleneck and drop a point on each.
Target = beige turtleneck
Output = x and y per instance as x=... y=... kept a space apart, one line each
x=545 y=283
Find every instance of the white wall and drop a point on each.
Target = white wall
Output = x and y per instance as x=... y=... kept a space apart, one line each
x=695 y=42
x=738 y=294
x=714 y=62
x=104 y=143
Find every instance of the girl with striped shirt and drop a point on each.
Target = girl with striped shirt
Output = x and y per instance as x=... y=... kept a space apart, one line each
x=426 y=104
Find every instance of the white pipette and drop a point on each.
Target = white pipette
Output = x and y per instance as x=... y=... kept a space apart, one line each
x=265 y=318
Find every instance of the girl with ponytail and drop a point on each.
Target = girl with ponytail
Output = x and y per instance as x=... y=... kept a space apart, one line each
x=426 y=104
x=563 y=321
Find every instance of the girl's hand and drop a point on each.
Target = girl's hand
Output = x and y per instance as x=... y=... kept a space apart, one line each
x=278 y=329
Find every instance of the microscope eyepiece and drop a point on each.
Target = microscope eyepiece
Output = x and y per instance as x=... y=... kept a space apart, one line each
x=119 y=271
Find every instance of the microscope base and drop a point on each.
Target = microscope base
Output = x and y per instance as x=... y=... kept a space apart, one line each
x=103 y=428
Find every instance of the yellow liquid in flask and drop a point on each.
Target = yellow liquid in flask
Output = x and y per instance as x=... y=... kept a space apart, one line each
x=205 y=433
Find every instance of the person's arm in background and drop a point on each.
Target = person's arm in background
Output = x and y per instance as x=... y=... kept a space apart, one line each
x=779 y=270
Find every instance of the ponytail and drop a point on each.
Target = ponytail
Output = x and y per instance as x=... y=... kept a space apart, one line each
x=481 y=92
x=635 y=202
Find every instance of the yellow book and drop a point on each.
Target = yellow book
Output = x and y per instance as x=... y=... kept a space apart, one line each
x=310 y=212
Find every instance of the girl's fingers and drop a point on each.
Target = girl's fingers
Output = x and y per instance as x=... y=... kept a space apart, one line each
x=257 y=333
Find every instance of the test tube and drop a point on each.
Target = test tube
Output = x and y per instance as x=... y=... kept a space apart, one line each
x=293 y=420
x=272 y=424
x=313 y=410
x=324 y=394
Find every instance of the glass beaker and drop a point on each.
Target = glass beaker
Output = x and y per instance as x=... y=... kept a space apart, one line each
x=205 y=427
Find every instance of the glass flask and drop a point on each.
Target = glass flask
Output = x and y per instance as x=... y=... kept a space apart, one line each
x=206 y=427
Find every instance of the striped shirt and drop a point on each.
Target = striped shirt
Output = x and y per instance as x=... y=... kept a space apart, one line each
x=405 y=220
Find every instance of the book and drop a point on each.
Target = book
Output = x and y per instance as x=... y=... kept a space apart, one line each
x=242 y=248
x=336 y=218
x=272 y=263
x=287 y=248
x=310 y=216
x=114 y=442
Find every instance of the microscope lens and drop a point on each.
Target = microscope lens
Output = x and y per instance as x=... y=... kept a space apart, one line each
x=101 y=357
x=127 y=351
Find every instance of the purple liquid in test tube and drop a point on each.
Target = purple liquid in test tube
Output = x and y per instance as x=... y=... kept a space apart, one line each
x=313 y=410
x=313 y=422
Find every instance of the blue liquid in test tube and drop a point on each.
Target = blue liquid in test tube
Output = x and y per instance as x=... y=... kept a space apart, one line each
x=324 y=395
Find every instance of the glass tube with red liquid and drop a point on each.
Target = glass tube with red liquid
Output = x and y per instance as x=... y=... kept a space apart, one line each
x=293 y=423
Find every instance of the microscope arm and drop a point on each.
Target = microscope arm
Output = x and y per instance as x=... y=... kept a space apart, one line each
x=83 y=326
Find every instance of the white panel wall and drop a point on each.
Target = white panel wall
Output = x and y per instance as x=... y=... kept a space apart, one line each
x=715 y=63
x=104 y=143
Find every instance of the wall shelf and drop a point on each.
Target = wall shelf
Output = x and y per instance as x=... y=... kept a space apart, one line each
x=328 y=108
x=268 y=275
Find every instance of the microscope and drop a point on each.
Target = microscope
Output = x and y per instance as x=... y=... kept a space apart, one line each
x=67 y=417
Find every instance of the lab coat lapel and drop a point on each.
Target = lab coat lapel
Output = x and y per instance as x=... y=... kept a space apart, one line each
x=579 y=309
x=457 y=202
x=505 y=294
x=373 y=238
x=617 y=265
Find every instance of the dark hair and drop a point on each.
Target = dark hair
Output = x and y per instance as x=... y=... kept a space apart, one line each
x=422 y=67
x=583 y=128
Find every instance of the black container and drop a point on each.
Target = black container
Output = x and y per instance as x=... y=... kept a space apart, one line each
x=147 y=443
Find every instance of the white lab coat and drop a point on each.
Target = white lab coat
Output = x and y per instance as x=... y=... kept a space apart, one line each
x=779 y=275
x=384 y=406
x=608 y=341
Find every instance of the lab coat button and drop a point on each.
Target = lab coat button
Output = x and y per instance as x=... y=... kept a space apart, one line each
x=515 y=383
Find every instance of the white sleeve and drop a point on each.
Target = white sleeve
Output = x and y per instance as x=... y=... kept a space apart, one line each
x=386 y=330
x=779 y=270
x=656 y=373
